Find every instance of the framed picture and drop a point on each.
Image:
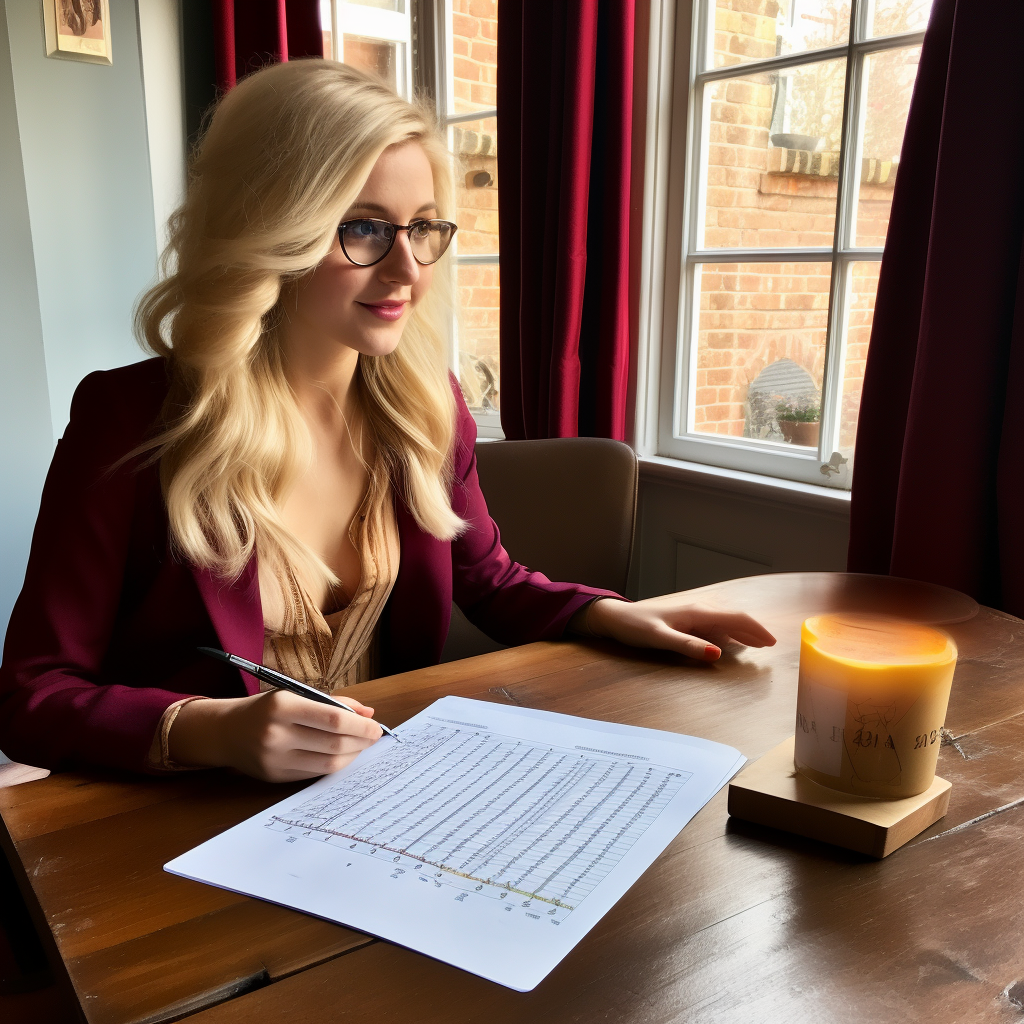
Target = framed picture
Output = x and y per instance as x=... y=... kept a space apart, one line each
x=78 y=30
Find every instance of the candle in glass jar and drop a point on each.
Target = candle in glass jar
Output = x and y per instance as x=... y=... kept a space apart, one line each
x=871 y=703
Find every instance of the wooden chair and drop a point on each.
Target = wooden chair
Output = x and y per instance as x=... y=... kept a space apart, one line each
x=565 y=507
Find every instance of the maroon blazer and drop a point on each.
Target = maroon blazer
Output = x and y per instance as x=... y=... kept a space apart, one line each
x=104 y=634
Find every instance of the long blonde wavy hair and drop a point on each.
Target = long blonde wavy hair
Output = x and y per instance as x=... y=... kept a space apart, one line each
x=285 y=155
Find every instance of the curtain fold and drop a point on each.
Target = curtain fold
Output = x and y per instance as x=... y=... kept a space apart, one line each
x=249 y=34
x=564 y=121
x=938 y=493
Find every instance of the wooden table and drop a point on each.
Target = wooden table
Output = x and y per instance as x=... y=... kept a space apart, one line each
x=733 y=922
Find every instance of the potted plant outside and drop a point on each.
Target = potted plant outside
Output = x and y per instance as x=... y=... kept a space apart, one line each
x=800 y=422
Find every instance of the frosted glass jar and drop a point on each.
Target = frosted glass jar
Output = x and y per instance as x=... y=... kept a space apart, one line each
x=871 y=703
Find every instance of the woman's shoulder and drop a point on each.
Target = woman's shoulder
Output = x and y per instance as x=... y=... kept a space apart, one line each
x=465 y=428
x=138 y=386
x=119 y=406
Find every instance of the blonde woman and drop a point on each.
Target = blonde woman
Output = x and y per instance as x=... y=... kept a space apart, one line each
x=292 y=477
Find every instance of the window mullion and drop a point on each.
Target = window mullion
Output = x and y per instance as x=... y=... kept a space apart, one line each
x=864 y=16
x=337 y=43
x=767 y=65
x=845 y=218
x=831 y=410
x=800 y=58
x=686 y=370
x=861 y=254
x=848 y=146
x=471 y=115
x=704 y=44
x=682 y=372
x=697 y=197
x=424 y=50
x=849 y=178
x=737 y=255
x=883 y=43
x=477 y=259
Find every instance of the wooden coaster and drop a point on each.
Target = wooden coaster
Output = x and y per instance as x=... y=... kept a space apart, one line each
x=771 y=792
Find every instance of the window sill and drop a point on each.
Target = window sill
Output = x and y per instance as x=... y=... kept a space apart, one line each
x=488 y=425
x=748 y=485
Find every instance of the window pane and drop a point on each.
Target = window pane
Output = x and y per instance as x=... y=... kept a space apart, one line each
x=892 y=16
x=887 y=88
x=475 y=145
x=760 y=349
x=326 y=23
x=379 y=57
x=382 y=5
x=479 y=291
x=746 y=31
x=474 y=54
x=862 y=284
x=772 y=160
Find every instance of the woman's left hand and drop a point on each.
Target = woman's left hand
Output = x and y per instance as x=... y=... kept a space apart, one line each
x=675 y=623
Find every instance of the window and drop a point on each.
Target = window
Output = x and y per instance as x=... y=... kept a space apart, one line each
x=446 y=49
x=470 y=111
x=793 y=114
x=374 y=35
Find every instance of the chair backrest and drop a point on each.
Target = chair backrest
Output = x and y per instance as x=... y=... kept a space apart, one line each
x=565 y=507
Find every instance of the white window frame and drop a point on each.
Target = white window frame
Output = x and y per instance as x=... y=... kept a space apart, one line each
x=681 y=35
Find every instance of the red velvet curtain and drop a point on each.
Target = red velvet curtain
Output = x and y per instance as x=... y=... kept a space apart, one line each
x=938 y=490
x=565 y=73
x=251 y=33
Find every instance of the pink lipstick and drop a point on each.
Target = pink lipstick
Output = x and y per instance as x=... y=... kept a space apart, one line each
x=387 y=310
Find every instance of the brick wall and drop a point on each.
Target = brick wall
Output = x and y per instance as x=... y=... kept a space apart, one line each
x=475 y=54
x=761 y=194
x=475 y=68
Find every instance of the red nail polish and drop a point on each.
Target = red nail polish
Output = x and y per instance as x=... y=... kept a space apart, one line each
x=711 y=652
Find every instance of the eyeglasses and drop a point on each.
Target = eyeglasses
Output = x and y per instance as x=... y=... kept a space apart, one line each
x=366 y=241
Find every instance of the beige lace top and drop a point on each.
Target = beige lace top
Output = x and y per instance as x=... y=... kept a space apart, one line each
x=328 y=650
x=338 y=648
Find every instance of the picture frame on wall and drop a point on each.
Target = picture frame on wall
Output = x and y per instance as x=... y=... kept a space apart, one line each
x=78 y=30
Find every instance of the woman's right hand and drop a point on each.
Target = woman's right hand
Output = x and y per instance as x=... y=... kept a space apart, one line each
x=275 y=736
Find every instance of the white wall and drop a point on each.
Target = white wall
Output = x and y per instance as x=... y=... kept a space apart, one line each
x=85 y=153
x=693 y=532
x=26 y=436
x=79 y=241
x=160 y=44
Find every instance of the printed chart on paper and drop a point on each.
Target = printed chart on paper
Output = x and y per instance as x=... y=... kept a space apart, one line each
x=491 y=837
x=537 y=826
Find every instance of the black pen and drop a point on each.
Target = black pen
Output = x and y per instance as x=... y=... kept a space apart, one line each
x=283 y=682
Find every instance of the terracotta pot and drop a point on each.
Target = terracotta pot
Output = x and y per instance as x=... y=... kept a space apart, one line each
x=805 y=434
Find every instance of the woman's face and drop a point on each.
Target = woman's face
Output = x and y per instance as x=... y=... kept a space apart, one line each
x=366 y=308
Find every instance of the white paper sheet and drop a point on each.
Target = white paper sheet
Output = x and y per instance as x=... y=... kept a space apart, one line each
x=493 y=838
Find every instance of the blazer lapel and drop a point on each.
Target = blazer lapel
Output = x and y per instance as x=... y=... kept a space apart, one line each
x=420 y=606
x=236 y=612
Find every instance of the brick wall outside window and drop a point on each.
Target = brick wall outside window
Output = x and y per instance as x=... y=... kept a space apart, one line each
x=475 y=144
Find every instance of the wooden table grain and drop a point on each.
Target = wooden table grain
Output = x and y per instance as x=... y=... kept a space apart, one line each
x=732 y=922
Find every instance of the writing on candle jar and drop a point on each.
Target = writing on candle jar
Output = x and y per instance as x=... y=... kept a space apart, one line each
x=867 y=738
x=872 y=695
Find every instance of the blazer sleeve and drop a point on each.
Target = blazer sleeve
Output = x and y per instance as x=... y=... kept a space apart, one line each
x=506 y=600
x=54 y=708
